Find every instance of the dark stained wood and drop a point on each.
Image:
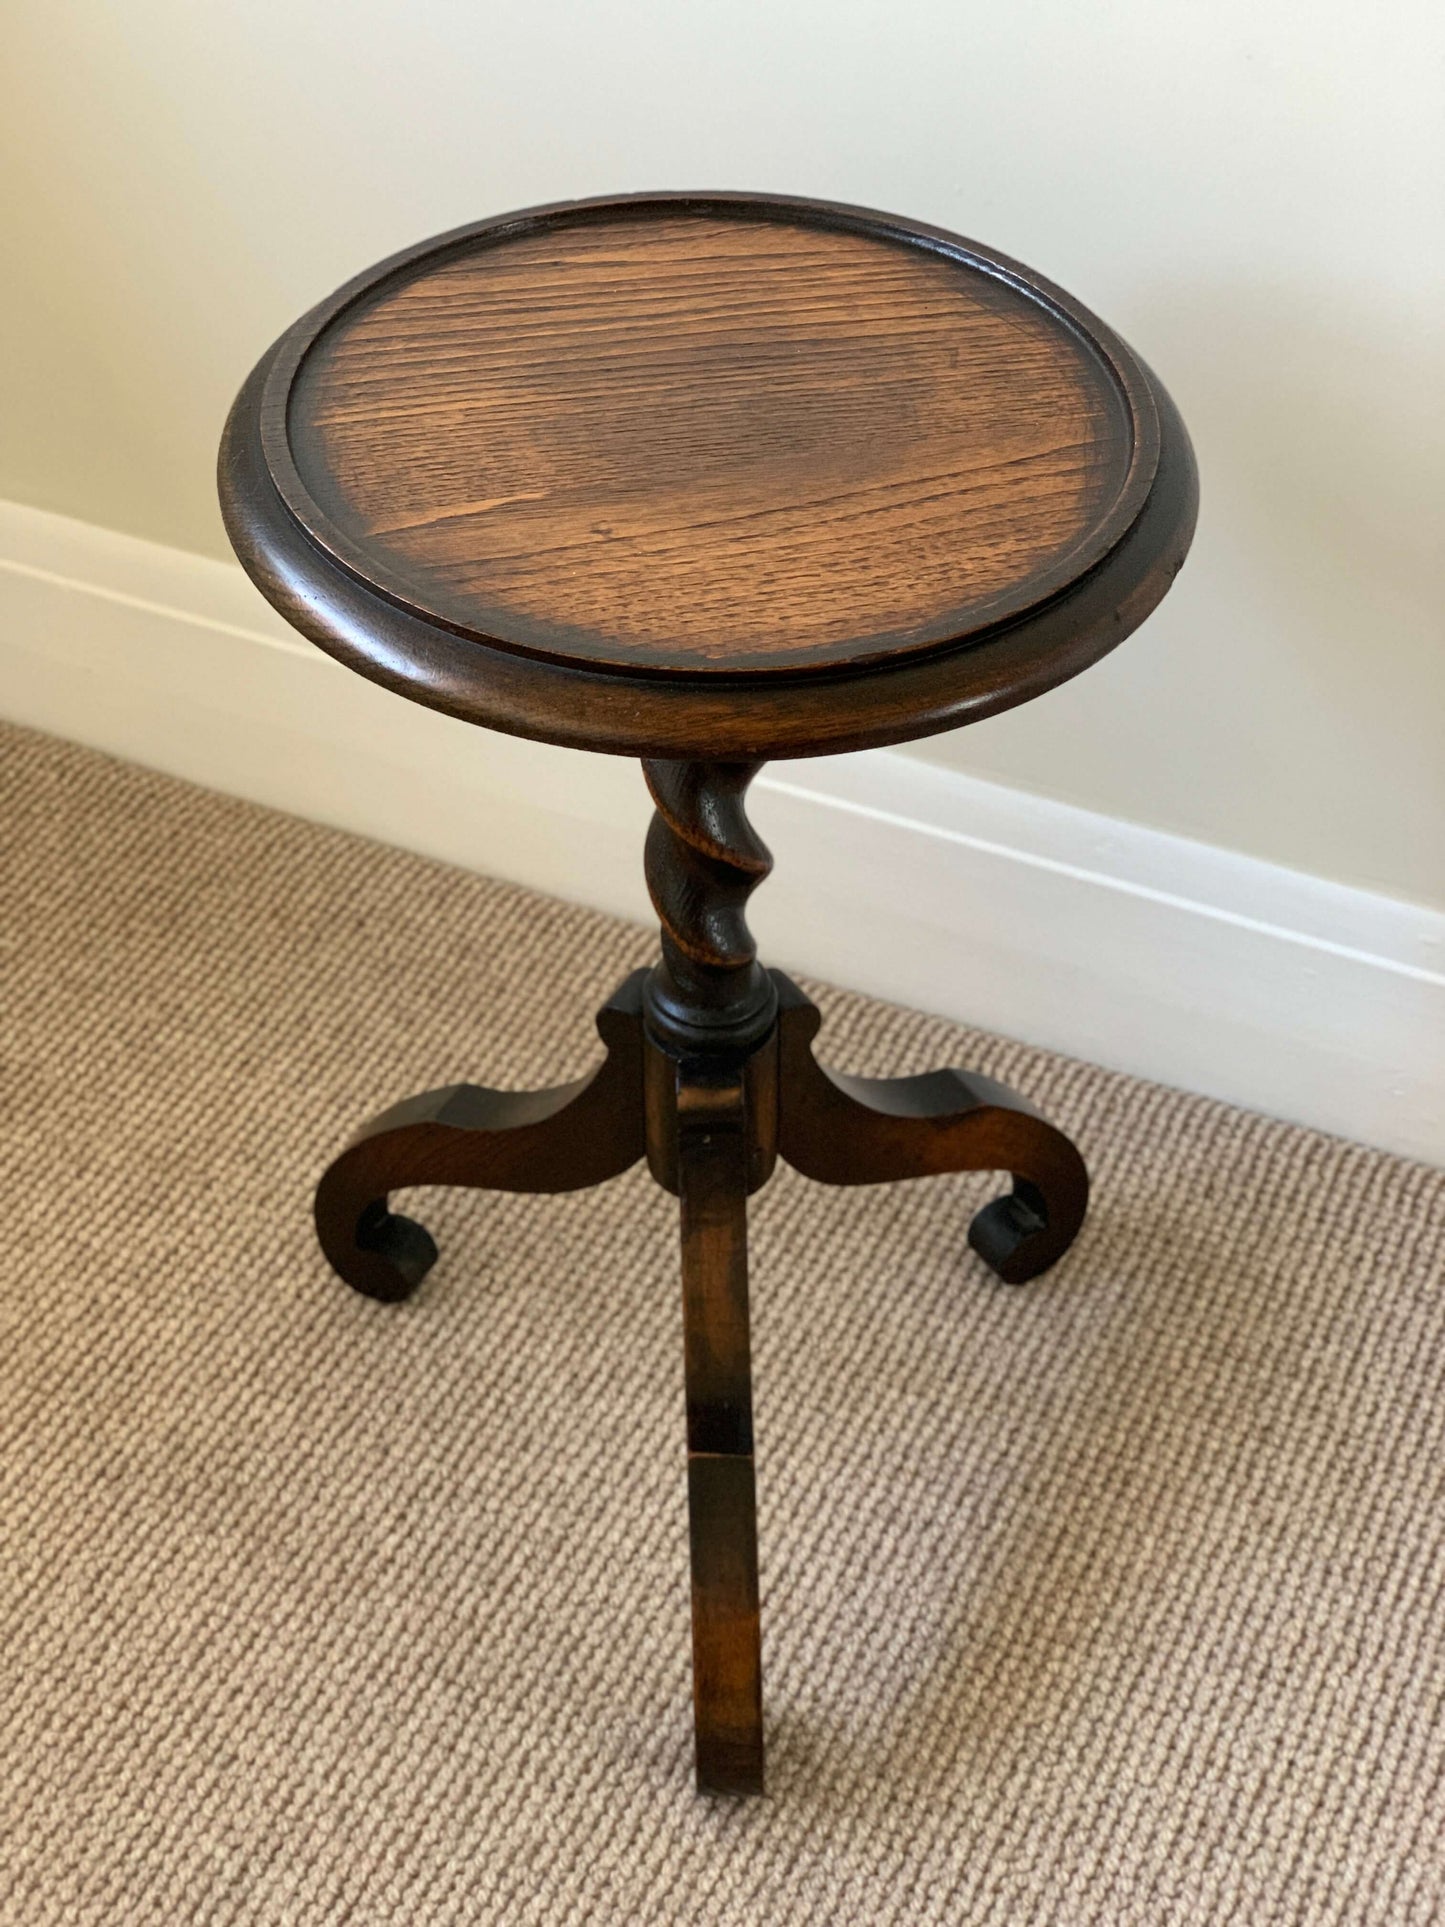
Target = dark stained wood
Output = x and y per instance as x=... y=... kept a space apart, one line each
x=705 y=480
x=970 y=658
x=868 y=1130
x=759 y=1071
x=555 y=1140
x=712 y=1131
x=703 y=860
x=708 y=442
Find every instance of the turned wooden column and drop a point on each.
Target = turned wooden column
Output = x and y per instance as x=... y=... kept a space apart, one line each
x=703 y=860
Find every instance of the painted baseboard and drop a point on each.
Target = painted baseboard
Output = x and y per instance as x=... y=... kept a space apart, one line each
x=1168 y=958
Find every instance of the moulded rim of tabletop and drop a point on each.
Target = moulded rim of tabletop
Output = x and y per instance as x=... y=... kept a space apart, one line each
x=349 y=600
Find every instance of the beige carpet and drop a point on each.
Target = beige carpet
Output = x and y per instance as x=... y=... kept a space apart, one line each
x=1117 y=1599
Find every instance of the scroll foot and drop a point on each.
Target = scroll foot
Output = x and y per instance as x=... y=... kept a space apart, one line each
x=551 y=1140
x=866 y=1130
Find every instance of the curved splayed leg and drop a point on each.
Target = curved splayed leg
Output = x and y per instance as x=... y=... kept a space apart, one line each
x=552 y=1140
x=864 y=1130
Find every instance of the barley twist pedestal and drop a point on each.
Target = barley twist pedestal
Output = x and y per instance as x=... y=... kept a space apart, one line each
x=707 y=480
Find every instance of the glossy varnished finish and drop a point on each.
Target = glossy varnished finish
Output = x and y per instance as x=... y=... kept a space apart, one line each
x=703 y=860
x=705 y=480
x=714 y=1081
x=712 y=1130
x=688 y=441
x=1022 y=508
x=554 y=1140
x=712 y=1126
x=876 y=1130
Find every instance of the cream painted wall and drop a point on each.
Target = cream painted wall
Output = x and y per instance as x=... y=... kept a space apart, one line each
x=1250 y=190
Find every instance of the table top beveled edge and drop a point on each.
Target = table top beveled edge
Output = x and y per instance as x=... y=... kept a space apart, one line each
x=581 y=708
x=289 y=353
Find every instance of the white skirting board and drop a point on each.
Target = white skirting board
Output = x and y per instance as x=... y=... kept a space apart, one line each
x=1144 y=951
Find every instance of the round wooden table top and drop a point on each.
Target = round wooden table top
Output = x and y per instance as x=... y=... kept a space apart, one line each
x=722 y=456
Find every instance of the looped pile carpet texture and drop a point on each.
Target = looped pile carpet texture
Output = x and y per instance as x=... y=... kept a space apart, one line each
x=1117 y=1599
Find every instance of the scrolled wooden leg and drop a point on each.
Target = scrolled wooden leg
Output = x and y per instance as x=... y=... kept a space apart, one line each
x=722 y=1507
x=865 y=1130
x=552 y=1140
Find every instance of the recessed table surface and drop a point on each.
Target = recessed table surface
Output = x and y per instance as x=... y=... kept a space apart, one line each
x=699 y=446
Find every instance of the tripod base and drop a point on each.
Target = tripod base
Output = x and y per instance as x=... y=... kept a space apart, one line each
x=711 y=1126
